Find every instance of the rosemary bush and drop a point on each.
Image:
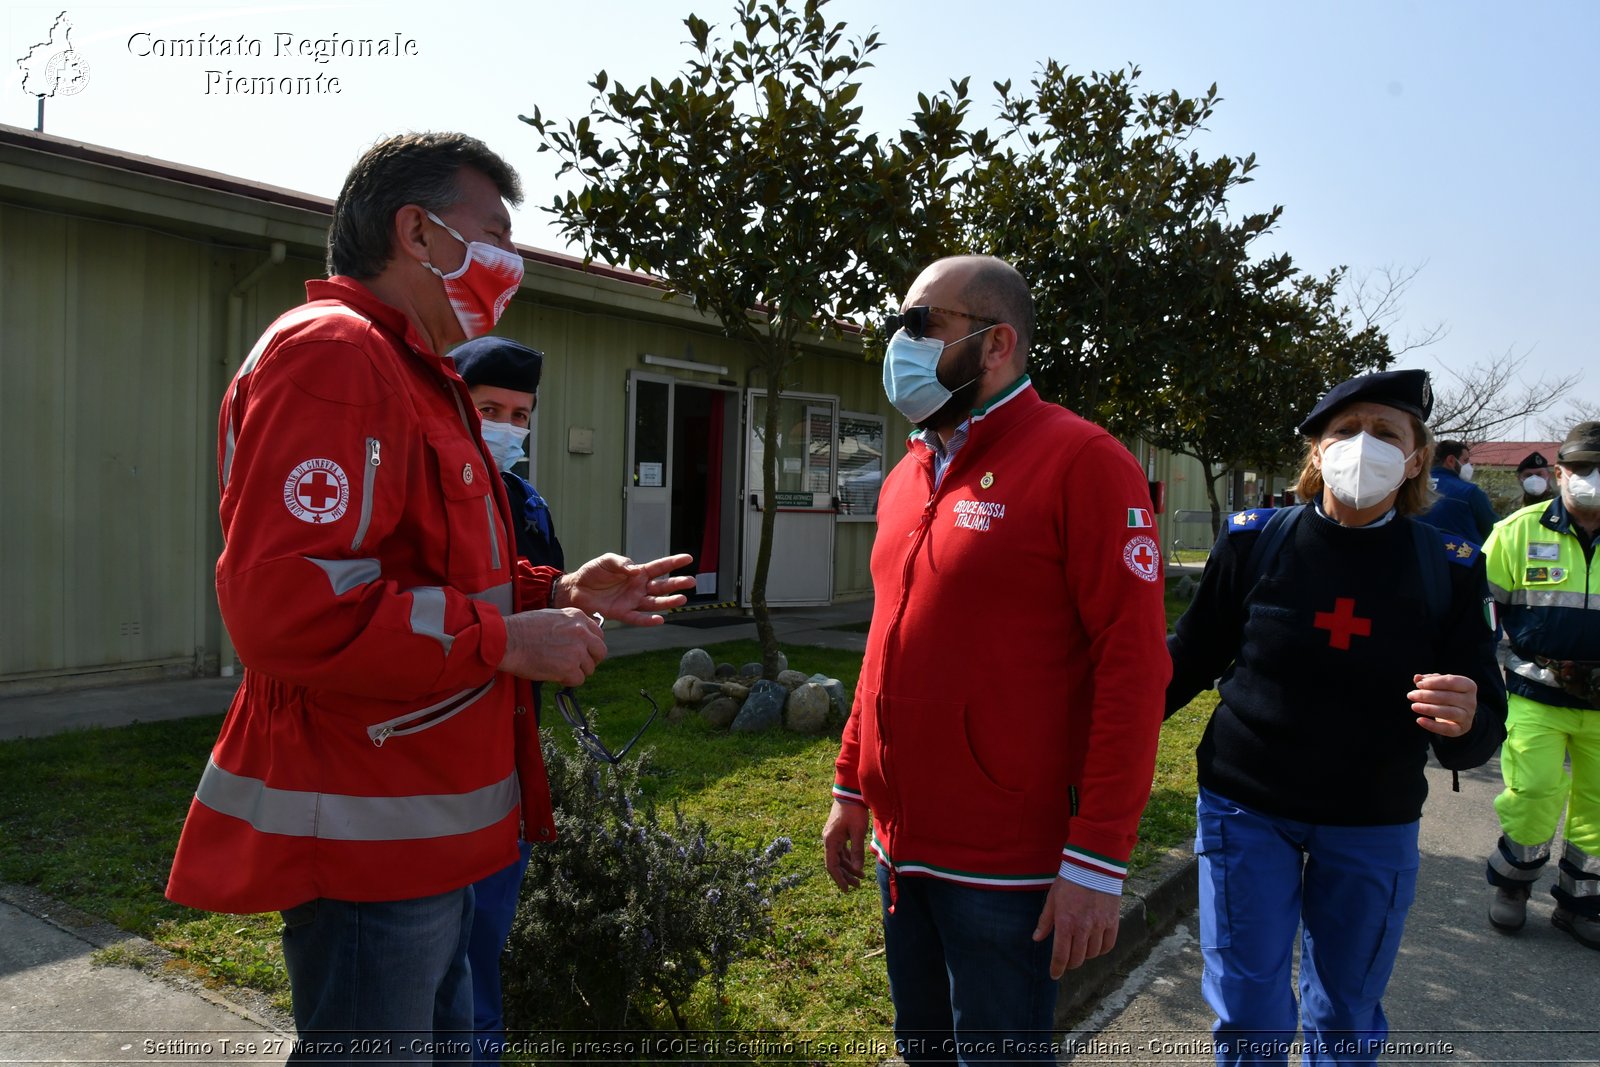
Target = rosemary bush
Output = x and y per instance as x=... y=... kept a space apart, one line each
x=623 y=915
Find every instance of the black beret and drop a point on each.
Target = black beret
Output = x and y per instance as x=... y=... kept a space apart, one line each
x=1582 y=444
x=1532 y=460
x=1407 y=390
x=499 y=362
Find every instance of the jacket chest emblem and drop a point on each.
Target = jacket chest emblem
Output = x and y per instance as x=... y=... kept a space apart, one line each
x=978 y=514
x=317 y=491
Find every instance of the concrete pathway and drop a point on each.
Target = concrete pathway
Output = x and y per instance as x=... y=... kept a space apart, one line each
x=1461 y=992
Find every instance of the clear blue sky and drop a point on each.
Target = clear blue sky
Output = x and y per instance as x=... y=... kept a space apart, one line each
x=1455 y=137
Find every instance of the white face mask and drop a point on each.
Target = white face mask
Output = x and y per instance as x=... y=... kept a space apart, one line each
x=1582 y=492
x=1362 y=470
x=1466 y=472
x=1534 y=484
x=505 y=442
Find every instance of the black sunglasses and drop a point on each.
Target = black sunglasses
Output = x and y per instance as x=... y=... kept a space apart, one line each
x=588 y=740
x=914 y=320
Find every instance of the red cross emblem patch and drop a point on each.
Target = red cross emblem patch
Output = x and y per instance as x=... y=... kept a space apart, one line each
x=1143 y=557
x=317 y=491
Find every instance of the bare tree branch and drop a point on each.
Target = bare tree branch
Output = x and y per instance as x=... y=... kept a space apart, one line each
x=1376 y=300
x=1555 y=427
x=1484 y=401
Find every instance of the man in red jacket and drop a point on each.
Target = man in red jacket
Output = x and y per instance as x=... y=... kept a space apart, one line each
x=1004 y=731
x=381 y=754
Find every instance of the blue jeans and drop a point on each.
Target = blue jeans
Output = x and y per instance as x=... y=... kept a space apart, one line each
x=969 y=983
x=494 y=906
x=382 y=980
x=1345 y=888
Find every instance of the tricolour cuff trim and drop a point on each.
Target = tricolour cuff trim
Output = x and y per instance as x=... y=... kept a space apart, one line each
x=851 y=796
x=1090 y=879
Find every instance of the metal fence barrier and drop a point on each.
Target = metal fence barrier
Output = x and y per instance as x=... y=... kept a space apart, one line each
x=1191 y=530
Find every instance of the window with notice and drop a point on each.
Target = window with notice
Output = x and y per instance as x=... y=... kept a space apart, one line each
x=860 y=448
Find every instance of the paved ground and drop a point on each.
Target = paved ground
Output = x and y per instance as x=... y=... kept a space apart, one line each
x=1460 y=989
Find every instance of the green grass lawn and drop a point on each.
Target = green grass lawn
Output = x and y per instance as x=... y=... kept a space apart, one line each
x=92 y=819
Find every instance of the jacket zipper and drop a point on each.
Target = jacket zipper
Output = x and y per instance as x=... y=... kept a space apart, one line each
x=369 y=475
x=426 y=718
x=920 y=534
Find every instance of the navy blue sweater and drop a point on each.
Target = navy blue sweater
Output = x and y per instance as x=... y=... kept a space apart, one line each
x=1315 y=663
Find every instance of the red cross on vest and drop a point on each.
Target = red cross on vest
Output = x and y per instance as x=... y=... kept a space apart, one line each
x=316 y=490
x=1342 y=622
x=1144 y=557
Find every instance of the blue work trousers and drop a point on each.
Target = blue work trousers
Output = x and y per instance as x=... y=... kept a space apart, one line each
x=494 y=906
x=1345 y=889
x=969 y=983
x=381 y=981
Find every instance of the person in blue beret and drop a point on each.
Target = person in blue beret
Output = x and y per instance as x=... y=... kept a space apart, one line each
x=503 y=378
x=1349 y=639
x=1533 y=475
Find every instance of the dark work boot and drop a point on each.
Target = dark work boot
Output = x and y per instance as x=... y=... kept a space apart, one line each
x=1585 y=929
x=1508 y=911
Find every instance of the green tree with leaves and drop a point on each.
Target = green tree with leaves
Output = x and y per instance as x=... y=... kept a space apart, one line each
x=1159 y=320
x=747 y=184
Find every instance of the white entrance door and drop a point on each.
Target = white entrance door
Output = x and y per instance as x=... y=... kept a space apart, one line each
x=648 y=491
x=800 y=572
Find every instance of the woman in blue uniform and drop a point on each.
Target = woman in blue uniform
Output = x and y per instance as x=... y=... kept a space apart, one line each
x=1349 y=638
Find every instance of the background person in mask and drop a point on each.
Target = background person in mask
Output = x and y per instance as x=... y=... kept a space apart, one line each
x=1349 y=638
x=1462 y=508
x=1533 y=475
x=1003 y=737
x=1544 y=576
x=373 y=764
x=503 y=378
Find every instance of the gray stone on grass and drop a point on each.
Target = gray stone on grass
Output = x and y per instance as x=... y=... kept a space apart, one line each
x=763 y=709
x=726 y=671
x=720 y=712
x=697 y=663
x=688 y=690
x=733 y=690
x=807 y=712
x=750 y=672
x=840 y=704
x=791 y=680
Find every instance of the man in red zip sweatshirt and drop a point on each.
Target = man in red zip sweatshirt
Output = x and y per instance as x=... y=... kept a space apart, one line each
x=1004 y=731
x=381 y=754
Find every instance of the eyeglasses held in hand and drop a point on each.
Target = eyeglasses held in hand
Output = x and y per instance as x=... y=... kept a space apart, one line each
x=914 y=320
x=588 y=740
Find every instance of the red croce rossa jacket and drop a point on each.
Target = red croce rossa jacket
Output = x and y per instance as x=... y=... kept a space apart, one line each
x=1005 y=724
x=372 y=752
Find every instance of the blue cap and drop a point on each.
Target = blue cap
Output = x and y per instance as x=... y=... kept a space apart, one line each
x=499 y=362
x=1406 y=390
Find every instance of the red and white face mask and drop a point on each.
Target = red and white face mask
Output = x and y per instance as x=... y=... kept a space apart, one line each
x=482 y=286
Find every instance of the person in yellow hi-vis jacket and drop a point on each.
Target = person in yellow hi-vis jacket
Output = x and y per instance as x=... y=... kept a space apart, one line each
x=1542 y=573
